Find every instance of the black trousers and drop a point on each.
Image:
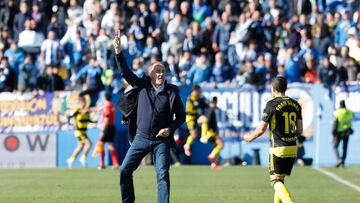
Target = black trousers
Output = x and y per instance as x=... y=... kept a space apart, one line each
x=336 y=142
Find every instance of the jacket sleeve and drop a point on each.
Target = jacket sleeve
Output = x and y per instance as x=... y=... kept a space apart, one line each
x=178 y=110
x=126 y=73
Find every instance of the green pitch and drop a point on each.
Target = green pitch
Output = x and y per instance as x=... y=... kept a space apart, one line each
x=188 y=184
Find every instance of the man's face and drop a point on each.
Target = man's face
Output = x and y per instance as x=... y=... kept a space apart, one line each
x=4 y=63
x=157 y=75
x=196 y=93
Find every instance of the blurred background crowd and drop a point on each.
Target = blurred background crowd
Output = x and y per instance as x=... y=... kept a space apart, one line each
x=63 y=44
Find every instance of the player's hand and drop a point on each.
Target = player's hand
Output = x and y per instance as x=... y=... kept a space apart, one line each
x=117 y=43
x=165 y=132
x=247 y=137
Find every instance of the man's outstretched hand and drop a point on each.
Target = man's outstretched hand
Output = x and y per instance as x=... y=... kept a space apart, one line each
x=117 y=43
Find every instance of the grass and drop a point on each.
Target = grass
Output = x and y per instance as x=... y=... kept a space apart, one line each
x=188 y=184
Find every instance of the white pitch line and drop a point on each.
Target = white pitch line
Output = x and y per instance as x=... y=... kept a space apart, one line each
x=338 y=179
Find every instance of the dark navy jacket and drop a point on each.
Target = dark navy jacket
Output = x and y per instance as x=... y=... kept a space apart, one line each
x=153 y=111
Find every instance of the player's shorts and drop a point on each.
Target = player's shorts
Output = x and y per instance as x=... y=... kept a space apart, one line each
x=281 y=166
x=191 y=122
x=81 y=135
x=109 y=134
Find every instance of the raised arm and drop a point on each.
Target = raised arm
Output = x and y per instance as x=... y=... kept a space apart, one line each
x=124 y=69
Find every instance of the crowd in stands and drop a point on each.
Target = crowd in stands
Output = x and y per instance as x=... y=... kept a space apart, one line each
x=59 y=44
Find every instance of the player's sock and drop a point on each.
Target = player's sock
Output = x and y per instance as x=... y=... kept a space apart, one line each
x=282 y=192
x=189 y=140
x=114 y=158
x=70 y=161
x=72 y=158
x=276 y=198
x=204 y=130
x=215 y=152
x=83 y=160
x=102 y=158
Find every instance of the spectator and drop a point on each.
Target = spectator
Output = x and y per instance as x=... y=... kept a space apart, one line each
x=15 y=56
x=102 y=47
x=51 y=51
x=342 y=28
x=136 y=30
x=145 y=21
x=309 y=49
x=176 y=30
x=185 y=64
x=322 y=35
x=222 y=35
x=154 y=15
x=189 y=42
x=28 y=75
x=250 y=76
x=327 y=75
x=206 y=35
x=172 y=8
x=221 y=71
x=160 y=33
x=5 y=39
x=353 y=69
x=185 y=11
x=150 y=49
x=98 y=11
x=29 y=39
x=93 y=83
x=200 y=11
x=75 y=11
x=292 y=66
x=56 y=26
x=134 y=49
x=137 y=67
x=200 y=72
x=20 y=18
x=310 y=71
x=8 y=77
x=172 y=73
x=89 y=8
x=38 y=16
x=50 y=81
x=77 y=53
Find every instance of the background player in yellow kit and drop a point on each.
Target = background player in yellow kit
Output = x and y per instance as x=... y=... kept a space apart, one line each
x=210 y=133
x=195 y=106
x=82 y=119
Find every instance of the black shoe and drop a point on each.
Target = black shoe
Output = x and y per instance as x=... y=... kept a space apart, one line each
x=340 y=164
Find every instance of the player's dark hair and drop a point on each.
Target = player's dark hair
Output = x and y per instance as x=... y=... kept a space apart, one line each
x=108 y=96
x=342 y=104
x=196 y=88
x=279 y=83
x=214 y=100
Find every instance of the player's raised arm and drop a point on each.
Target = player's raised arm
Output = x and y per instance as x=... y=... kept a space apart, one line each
x=124 y=69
